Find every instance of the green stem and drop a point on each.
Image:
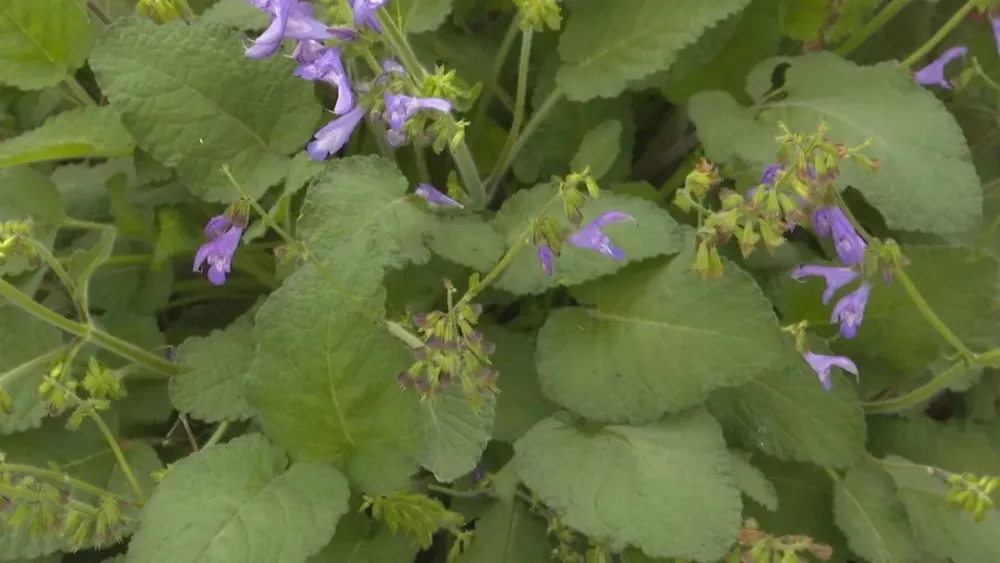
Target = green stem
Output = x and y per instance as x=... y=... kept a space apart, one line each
x=117 y=450
x=58 y=477
x=71 y=223
x=460 y=153
x=505 y=160
x=24 y=494
x=79 y=91
x=99 y=12
x=947 y=28
x=931 y=316
x=919 y=395
x=217 y=436
x=422 y=170
x=869 y=29
x=455 y=492
x=491 y=85
x=524 y=62
x=110 y=343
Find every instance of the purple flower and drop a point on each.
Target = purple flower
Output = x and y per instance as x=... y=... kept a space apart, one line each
x=933 y=73
x=850 y=246
x=850 y=310
x=395 y=139
x=289 y=18
x=399 y=108
x=218 y=252
x=823 y=364
x=836 y=278
x=217 y=226
x=547 y=258
x=433 y=196
x=389 y=66
x=995 y=20
x=308 y=51
x=364 y=13
x=592 y=237
x=330 y=68
x=334 y=135
x=767 y=178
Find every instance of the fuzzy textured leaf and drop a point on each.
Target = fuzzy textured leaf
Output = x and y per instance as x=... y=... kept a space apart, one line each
x=211 y=377
x=631 y=484
x=520 y=404
x=421 y=16
x=606 y=45
x=753 y=483
x=193 y=101
x=26 y=344
x=25 y=193
x=236 y=13
x=644 y=348
x=874 y=521
x=355 y=542
x=654 y=233
x=80 y=133
x=468 y=241
x=918 y=144
x=42 y=41
x=455 y=434
x=508 y=533
x=241 y=502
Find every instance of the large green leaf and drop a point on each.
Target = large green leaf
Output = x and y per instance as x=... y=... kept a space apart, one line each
x=356 y=541
x=212 y=370
x=80 y=133
x=958 y=446
x=520 y=403
x=455 y=434
x=26 y=347
x=658 y=338
x=240 y=502
x=917 y=142
x=469 y=241
x=236 y=13
x=787 y=413
x=666 y=488
x=606 y=45
x=42 y=41
x=654 y=233
x=753 y=483
x=25 y=193
x=421 y=16
x=192 y=100
x=867 y=511
x=507 y=533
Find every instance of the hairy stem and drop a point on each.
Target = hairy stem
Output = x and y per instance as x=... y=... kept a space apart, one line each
x=492 y=84
x=61 y=478
x=216 y=436
x=524 y=62
x=919 y=395
x=860 y=36
x=938 y=37
x=505 y=160
x=133 y=483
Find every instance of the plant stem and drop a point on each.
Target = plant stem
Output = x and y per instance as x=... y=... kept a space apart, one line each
x=505 y=160
x=71 y=223
x=919 y=395
x=98 y=11
x=88 y=332
x=947 y=28
x=460 y=153
x=422 y=170
x=455 y=492
x=487 y=94
x=122 y=462
x=860 y=36
x=79 y=91
x=932 y=318
x=57 y=476
x=523 y=65
x=216 y=436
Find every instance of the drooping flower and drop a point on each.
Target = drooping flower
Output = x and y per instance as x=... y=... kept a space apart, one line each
x=849 y=245
x=399 y=108
x=995 y=20
x=334 y=135
x=933 y=73
x=395 y=139
x=434 y=196
x=823 y=364
x=547 y=258
x=821 y=221
x=329 y=68
x=593 y=237
x=364 y=13
x=767 y=178
x=218 y=252
x=308 y=51
x=292 y=19
x=836 y=278
x=850 y=310
x=217 y=226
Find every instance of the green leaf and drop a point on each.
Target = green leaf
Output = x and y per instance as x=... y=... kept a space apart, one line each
x=143 y=460
x=606 y=45
x=874 y=521
x=786 y=413
x=89 y=132
x=26 y=193
x=917 y=142
x=666 y=488
x=236 y=13
x=241 y=501
x=26 y=346
x=943 y=530
x=804 y=19
x=83 y=263
x=42 y=41
x=455 y=434
x=958 y=446
x=469 y=241
x=753 y=483
x=175 y=87
x=355 y=542
x=654 y=233
x=367 y=197
x=211 y=378
x=593 y=151
x=324 y=380
x=507 y=533
x=421 y=16
x=520 y=404
x=643 y=350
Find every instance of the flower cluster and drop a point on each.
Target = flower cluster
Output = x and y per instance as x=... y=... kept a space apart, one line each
x=934 y=73
x=293 y=19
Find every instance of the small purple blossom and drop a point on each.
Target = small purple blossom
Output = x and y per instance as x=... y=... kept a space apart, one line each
x=399 y=108
x=334 y=135
x=395 y=139
x=823 y=364
x=329 y=68
x=217 y=226
x=767 y=178
x=547 y=258
x=593 y=237
x=821 y=221
x=218 y=253
x=308 y=51
x=364 y=13
x=933 y=73
x=850 y=310
x=434 y=196
x=389 y=67
x=289 y=18
x=995 y=20
x=836 y=278
x=849 y=245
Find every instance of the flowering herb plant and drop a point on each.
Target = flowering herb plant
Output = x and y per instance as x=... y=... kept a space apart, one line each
x=484 y=281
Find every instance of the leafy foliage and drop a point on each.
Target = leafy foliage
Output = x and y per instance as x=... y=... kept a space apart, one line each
x=42 y=41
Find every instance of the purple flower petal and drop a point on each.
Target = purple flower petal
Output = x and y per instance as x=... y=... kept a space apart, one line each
x=433 y=196
x=399 y=108
x=836 y=278
x=364 y=13
x=850 y=310
x=218 y=253
x=329 y=67
x=334 y=135
x=933 y=73
x=849 y=245
x=394 y=138
x=593 y=237
x=767 y=178
x=217 y=226
x=547 y=258
x=289 y=18
x=821 y=221
x=823 y=364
